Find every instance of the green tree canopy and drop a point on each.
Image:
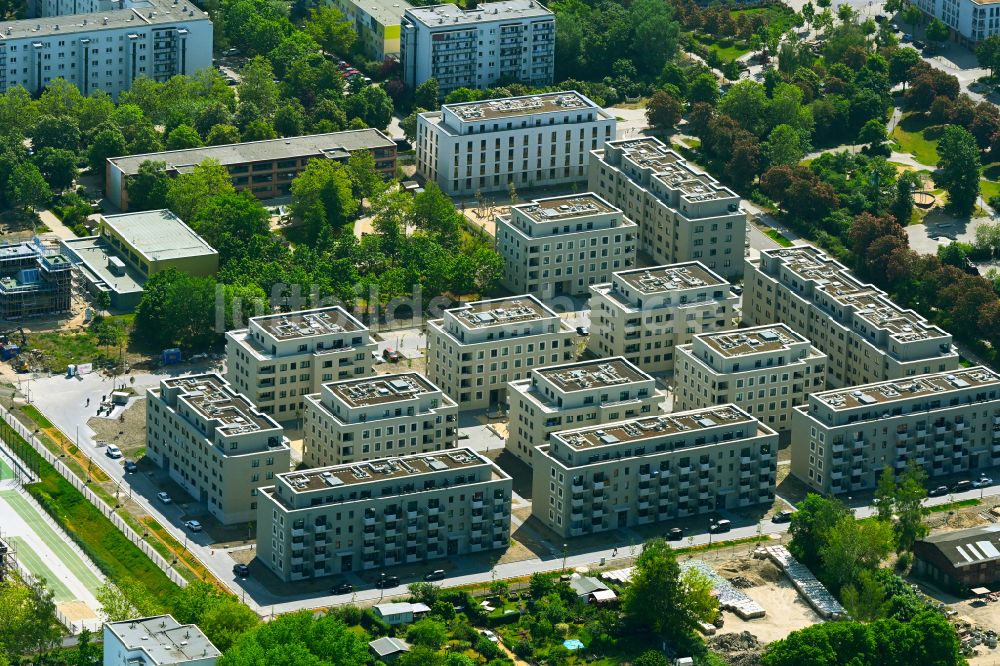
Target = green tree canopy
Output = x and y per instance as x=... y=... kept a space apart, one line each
x=958 y=168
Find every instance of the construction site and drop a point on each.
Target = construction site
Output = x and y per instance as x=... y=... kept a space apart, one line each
x=36 y=279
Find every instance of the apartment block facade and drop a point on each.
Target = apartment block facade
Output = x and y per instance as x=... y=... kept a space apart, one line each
x=214 y=443
x=644 y=314
x=561 y=245
x=867 y=337
x=510 y=40
x=476 y=348
x=104 y=49
x=766 y=370
x=575 y=395
x=682 y=213
x=389 y=415
x=945 y=422
x=280 y=359
x=376 y=23
x=641 y=471
x=382 y=513
x=534 y=141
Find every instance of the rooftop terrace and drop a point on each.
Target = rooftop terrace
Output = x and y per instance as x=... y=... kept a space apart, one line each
x=214 y=399
x=385 y=469
x=747 y=341
x=636 y=430
x=661 y=279
x=557 y=209
x=907 y=389
x=382 y=389
x=599 y=373
x=510 y=107
x=307 y=323
x=501 y=312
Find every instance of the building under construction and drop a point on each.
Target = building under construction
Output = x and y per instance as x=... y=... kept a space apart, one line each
x=35 y=279
x=8 y=558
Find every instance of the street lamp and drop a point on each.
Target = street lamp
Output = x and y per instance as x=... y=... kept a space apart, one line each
x=381 y=586
x=564 y=557
x=710 y=525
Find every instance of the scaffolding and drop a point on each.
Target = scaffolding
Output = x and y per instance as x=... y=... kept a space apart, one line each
x=35 y=279
x=8 y=558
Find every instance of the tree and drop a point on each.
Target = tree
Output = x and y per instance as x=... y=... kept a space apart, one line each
x=188 y=192
x=659 y=600
x=958 y=168
x=27 y=187
x=663 y=110
x=850 y=547
x=147 y=189
x=912 y=16
x=289 y=119
x=321 y=196
x=331 y=30
x=866 y=598
x=901 y=62
x=58 y=167
x=108 y=142
x=873 y=133
x=259 y=129
x=55 y=132
x=937 y=32
x=745 y=163
x=988 y=53
x=257 y=85
x=177 y=310
x=183 y=136
x=434 y=212
x=783 y=146
x=429 y=632
x=27 y=619
x=299 y=639
x=372 y=105
x=424 y=593
x=704 y=88
x=903 y=498
x=746 y=103
x=815 y=516
x=220 y=135
x=366 y=181
x=651 y=658
x=426 y=95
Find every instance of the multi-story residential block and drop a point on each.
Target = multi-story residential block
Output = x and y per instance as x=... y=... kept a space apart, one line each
x=971 y=20
x=214 y=443
x=574 y=395
x=682 y=213
x=512 y=40
x=562 y=245
x=945 y=422
x=377 y=25
x=36 y=279
x=767 y=371
x=107 y=49
x=866 y=335
x=157 y=641
x=266 y=168
x=644 y=314
x=641 y=471
x=280 y=359
x=536 y=141
x=388 y=415
x=381 y=513
x=476 y=348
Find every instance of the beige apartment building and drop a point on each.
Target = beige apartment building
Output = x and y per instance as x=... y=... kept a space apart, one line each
x=214 y=443
x=389 y=415
x=946 y=422
x=866 y=335
x=574 y=395
x=382 y=513
x=562 y=245
x=641 y=471
x=279 y=359
x=644 y=314
x=683 y=214
x=766 y=370
x=476 y=348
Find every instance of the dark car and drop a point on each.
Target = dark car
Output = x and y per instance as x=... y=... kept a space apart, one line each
x=241 y=570
x=437 y=574
x=938 y=492
x=131 y=467
x=582 y=330
x=782 y=517
x=402 y=144
x=342 y=588
x=919 y=44
x=388 y=581
x=676 y=534
x=961 y=486
x=721 y=526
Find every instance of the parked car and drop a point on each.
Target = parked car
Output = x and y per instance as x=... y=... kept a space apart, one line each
x=721 y=526
x=164 y=497
x=982 y=482
x=961 y=486
x=938 y=492
x=736 y=289
x=402 y=144
x=342 y=588
x=131 y=467
x=782 y=517
x=582 y=330
x=193 y=525
x=906 y=38
x=390 y=355
x=113 y=451
x=490 y=636
x=676 y=534
x=388 y=581
x=241 y=570
x=437 y=574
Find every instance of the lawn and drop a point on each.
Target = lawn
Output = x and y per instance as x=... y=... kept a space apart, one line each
x=727 y=48
x=776 y=15
x=960 y=504
x=778 y=238
x=912 y=135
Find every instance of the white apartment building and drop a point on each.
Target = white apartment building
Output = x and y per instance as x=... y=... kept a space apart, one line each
x=357 y=420
x=562 y=245
x=476 y=348
x=970 y=20
x=279 y=359
x=381 y=513
x=157 y=641
x=214 y=443
x=866 y=335
x=641 y=471
x=105 y=49
x=683 y=214
x=946 y=422
x=534 y=141
x=767 y=371
x=512 y=40
x=644 y=314
x=574 y=395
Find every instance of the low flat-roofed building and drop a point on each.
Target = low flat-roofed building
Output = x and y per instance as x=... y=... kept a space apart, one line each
x=644 y=314
x=387 y=648
x=132 y=247
x=214 y=443
x=867 y=336
x=281 y=358
x=960 y=559
x=562 y=245
x=264 y=168
x=766 y=370
x=374 y=417
x=574 y=395
x=377 y=514
x=946 y=422
x=157 y=641
x=476 y=348
x=641 y=471
x=36 y=279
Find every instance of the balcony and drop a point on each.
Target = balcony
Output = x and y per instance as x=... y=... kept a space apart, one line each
x=369 y=520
